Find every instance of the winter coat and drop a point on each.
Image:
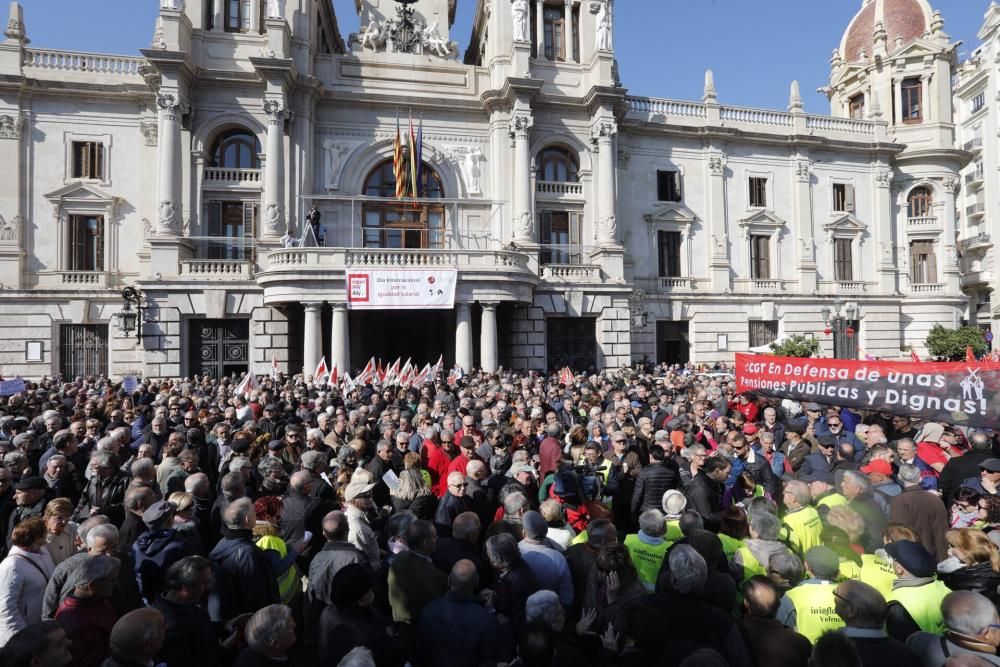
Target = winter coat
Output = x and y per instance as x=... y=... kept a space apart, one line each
x=190 y=638
x=107 y=497
x=449 y=508
x=704 y=496
x=88 y=623
x=153 y=553
x=244 y=580
x=652 y=482
x=457 y=631
x=924 y=512
x=978 y=577
x=343 y=628
x=22 y=587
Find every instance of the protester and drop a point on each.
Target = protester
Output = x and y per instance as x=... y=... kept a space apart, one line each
x=24 y=574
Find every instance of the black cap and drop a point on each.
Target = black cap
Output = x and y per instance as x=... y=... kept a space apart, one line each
x=31 y=483
x=990 y=465
x=826 y=441
x=913 y=556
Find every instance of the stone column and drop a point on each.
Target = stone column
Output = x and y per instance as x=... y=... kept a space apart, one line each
x=888 y=270
x=948 y=256
x=717 y=228
x=463 y=336
x=606 y=220
x=540 y=29
x=340 y=356
x=925 y=98
x=273 y=215
x=897 y=101
x=568 y=30
x=168 y=185
x=488 y=352
x=312 y=337
x=521 y=218
x=804 y=225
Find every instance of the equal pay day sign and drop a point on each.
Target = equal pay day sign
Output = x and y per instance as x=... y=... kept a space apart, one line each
x=959 y=392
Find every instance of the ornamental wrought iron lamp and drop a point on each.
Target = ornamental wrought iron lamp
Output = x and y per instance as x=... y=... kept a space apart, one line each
x=839 y=317
x=129 y=318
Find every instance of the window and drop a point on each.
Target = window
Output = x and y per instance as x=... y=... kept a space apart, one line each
x=912 y=105
x=561 y=237
x=236 y=149
x=758 y=192
x=555 y=33
x=978 y=102
x=668 y=185
x=402 y=224
x=231 y=228
x=88 y=160
x=760 y=257
x=83 y=350
x=843 y=197
x=918 y=203
x=923 y=262
x=763 y=332
x=670 y=254
x=843 y=268
x=857 y=106
x=556 y=165
x=86 y=243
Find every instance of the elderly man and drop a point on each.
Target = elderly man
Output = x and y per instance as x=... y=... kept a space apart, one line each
x=60 y=481
x=98 y=538
x=245 y=580
x=30 y=496
x=550 y=450
x=806 y=608
x=858 y=491
x=972 y=629
x=648 y=547
x=187 y=464
x=771 y=642
x=756 y=552
x=802 y=519
x=86 y=614
x=922 y=511
x=270 y=635
x=136 y=638
x=105 y=492
x=336 y=554
x=413 y=580
x=863 y=610
x=358 y=498
x=915 y=590
x=547 y=563
x=452 y=504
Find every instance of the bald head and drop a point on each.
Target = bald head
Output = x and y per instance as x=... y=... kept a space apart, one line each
x=761 y=596
x=464 y=577
x=138 y=635
x=335 y=526
x=300 y=481
x=197 y=485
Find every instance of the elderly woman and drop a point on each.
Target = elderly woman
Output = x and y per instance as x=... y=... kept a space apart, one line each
x=612 y=586
x=185 y=523
x=60 y=531
x=973 y=563
x=414 y=494
x=24 y=574
x=279 y=556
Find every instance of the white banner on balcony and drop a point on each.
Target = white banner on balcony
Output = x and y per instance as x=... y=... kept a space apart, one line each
x=401 y=289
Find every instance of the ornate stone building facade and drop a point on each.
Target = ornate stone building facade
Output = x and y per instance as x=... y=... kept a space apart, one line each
x=585 y=226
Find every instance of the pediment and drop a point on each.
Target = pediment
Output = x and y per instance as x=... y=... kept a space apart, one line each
x=762 y=218
x=80 y=192
x=918 y=47
x=673 y=212
x=846 y=223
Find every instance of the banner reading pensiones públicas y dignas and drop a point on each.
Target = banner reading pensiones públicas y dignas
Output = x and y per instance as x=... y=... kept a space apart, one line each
x=398 y=289
x=959 y=393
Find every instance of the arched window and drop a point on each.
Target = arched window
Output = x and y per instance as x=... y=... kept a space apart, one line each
x=236 y=149
x=403 y=223
x=557 y=165
x=918 y=204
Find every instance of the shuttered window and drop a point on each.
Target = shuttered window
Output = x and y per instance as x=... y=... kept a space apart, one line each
x=88 y=160
x=763 y=332
x=669 y=244
x=843 y=197
x=86 y=243
x=923 y=262
x=561 y=237
x=668 y=185
x=760 y=257
x=843 y=269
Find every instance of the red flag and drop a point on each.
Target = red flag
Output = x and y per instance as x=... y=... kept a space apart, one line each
x=380 y=372
x=322 y=370
x=970 y=356
x=566 y=377
x=438 y=367
x=913 y=356
x=333 y=377
x=366 y=374
x=247 y=384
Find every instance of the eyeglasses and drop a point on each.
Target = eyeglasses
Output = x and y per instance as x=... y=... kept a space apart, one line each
x=458 y=486
x=841 y=597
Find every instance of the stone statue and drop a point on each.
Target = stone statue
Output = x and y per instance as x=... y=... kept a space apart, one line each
x=435 y=42
x=335 y=154
x=468 y=160
x=147 y=228
x=807 y=247
x=372 y=37
x=610 y=229
x=8 y=230
x=522 y=225
x=604 y=26
x=168 y=217
x=10 y=127
x=272 y=217
x=275 y=10
x=520 y=13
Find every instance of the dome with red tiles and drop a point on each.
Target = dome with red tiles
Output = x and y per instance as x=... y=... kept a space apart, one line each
x=906 y=19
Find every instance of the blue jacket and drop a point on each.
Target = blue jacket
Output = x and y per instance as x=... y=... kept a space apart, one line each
x=457 y=631
x=244 y=579
x=154 y=552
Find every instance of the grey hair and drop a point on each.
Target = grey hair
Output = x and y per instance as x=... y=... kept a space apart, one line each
x=859 y=479
x=788 y=565
x=266 y=626
x=140 y=467
x=106 y=459
x=690 y=452
x=313 y=461
x=514 y=503
x=95 y=569
x=502 y=551
x=543 y=605
x=765 y=524
x=359 y=656
x=315 y=433
x=235 y=516
x=869 y=605
x=653 y=523
x=800 y=490
x=60 y=457
x=105 y=531
x=269 y=464
x=237 y=462
x=766 y=435
x=967 y=613
x=688 y=570
x=411 y=485
x=908 y=475
x=14 y=458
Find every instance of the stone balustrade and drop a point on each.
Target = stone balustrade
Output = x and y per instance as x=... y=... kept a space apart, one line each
x=576 y=273
x=239 y=177
x=215 y=269
x=72 y=61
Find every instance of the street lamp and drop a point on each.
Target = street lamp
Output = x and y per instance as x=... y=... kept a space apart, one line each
x=839 y=319
x=130 y=320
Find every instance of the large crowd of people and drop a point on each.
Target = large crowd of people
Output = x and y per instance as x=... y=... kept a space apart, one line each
x=643 y=516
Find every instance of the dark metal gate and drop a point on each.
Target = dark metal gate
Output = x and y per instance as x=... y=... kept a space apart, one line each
x=218 y=347
x=845 y=345
x=572 y=341
x=83 y=350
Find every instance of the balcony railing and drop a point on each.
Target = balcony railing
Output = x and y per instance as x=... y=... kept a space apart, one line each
x=759 y=285
x=976 y=241
x=922 y=221
x=675 y=283
x=306 y=259
x=974 y=145
x=975 y=210
x=236 y=177
x=976 y=278
x=215 y=269
x=576 y=273
x=927 y=288
x=68 y=61
x=975 y=176
x=559 y=189
x=84 y=278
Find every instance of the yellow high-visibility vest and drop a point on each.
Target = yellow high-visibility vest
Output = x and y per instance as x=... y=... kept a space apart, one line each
x=923 y=603
x=751 y=565
x=674 y=532
x=806 y=529
x=730 y=545
x=647 y=558
x=814 y=609
x=848 y=570
x=878 y=573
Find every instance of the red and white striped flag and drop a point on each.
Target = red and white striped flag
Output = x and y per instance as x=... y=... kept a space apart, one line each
x=367 y=372
x=913 y=356
x=566 y=377
x=438 y=367
x=247 y=384
x=322 y=370
x=333 y=377
x=391 y=375
x=349 y=384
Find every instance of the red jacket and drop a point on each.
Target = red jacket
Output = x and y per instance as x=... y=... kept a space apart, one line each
x=457 y=465
x=436 y=462
x=549 y=453
x=88 y=623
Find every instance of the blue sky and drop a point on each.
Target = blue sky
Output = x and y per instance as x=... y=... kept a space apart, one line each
x=755 y=47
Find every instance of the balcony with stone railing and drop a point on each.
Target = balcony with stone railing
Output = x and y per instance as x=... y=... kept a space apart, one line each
x=924 y=222
x=981 y=240
x=974 y=145
x=571 y=273
x=924 y=289
x=79 y=280
x=558 y=190
x=78 y=66
x=974 y=278
x=845 y=287
x=216 y=269
x=974 y=179
x=761 y=286
x=219 y=177
x=975 y=211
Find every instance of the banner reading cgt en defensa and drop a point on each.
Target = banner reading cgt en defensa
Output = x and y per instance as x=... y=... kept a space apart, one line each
x=954 y=392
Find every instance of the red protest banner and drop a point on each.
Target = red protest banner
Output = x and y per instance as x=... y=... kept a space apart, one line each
x=955 y=392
